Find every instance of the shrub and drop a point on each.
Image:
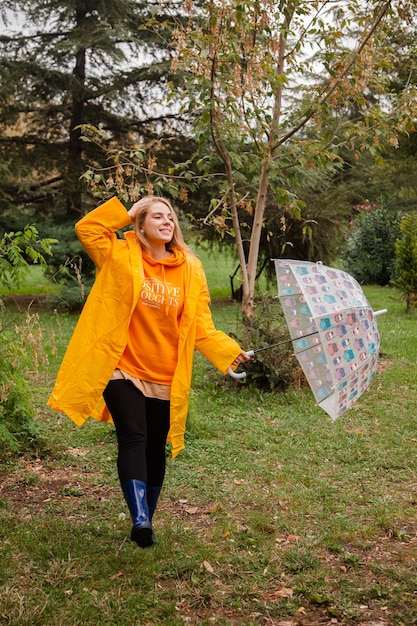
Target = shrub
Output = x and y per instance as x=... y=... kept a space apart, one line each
x=277 y=367
x=19 y=248
x=20 y=347
x=369 y=251
x=406 y=259
x=22 y=353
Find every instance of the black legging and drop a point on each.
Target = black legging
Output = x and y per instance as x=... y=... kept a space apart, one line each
x=142 y=426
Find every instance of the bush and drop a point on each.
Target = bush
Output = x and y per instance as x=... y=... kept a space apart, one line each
x=369 y=252
x=21 y=353
x=277 y=367
x=20 y=347
x=406 y=259
x=17 y=250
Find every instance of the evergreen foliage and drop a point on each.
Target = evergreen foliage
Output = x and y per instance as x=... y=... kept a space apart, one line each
x=369 y=251
x=406 y=259
x=71 y=268
x=67 y=63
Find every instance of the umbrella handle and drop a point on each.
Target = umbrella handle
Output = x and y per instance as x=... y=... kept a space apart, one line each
x=376 y=313
x=239 y=375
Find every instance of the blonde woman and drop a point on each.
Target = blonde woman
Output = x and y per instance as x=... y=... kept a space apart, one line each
x=129 y=360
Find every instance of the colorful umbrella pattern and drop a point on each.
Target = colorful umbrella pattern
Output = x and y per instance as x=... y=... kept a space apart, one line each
x=333 y=331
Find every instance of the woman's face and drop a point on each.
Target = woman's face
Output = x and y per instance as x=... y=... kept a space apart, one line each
x=158 y=225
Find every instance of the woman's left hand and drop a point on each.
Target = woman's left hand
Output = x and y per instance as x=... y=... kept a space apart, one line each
x=243 y=356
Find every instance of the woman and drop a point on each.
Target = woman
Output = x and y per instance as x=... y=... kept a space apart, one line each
x=129 y=360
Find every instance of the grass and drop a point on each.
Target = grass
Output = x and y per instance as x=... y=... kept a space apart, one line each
x=34 y=283
x=271 y=515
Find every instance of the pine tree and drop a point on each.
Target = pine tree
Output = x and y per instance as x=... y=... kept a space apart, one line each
x=64 y=63
x=406 y=259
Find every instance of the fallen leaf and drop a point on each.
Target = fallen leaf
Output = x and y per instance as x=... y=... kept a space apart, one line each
x=208 y=567
x=191 y=510
x=241 y=527
x=283 y=592
x=115 y=576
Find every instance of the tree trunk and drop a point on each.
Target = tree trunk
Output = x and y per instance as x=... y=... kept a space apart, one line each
x=248 y=300
x=75 y=162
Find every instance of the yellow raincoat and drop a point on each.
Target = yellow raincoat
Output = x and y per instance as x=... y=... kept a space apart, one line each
x=101 y=333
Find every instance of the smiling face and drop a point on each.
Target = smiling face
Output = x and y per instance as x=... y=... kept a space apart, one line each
x=158 y=225
x=154 y=219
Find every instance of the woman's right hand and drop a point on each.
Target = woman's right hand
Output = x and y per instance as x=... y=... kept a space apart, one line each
x=243 y=356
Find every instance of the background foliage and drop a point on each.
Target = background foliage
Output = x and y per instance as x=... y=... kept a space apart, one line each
x=73 y=62
x=369 y=250
x=406 y=259
x=21 y=344
x=144 y=104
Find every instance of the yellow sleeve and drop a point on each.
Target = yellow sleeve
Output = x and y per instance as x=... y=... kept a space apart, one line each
x=96 y=230
x=220 y=349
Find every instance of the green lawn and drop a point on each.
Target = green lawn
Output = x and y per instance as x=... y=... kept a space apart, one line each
x=272 y=514
x=34 y=283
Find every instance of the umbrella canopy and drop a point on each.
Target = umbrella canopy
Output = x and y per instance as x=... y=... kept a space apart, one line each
x=333 y=331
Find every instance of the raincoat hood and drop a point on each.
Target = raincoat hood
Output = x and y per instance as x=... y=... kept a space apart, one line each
x=176 y=258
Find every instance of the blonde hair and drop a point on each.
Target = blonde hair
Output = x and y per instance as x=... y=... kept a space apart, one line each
x=143 y=207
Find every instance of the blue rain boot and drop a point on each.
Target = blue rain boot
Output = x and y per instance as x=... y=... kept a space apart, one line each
x=152 y=497
x=135 y=495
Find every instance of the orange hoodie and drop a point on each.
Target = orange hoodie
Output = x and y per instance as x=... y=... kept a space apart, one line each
x=151 y=352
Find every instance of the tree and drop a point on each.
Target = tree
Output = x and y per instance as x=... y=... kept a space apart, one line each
x=406 y=259
x=394 y=177
x=273 y=85
x=66 y=63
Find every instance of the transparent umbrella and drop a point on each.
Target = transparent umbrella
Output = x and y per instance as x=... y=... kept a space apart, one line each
x=333 y=330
